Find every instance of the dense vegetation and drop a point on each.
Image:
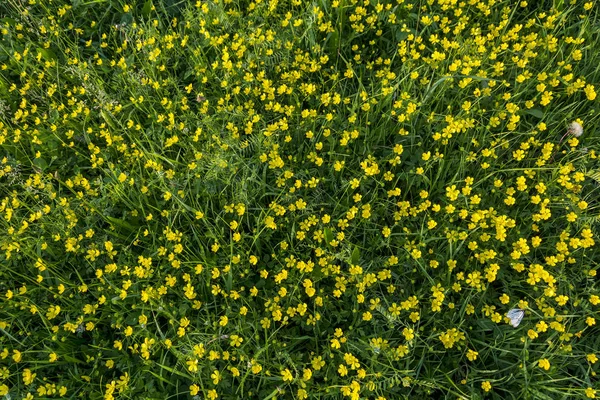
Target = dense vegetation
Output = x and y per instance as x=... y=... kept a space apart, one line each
x=299 y=199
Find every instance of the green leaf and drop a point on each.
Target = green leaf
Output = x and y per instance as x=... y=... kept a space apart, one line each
x=9 y=21
x=355 y=256
x=401 y=35
x=108 y=119
x=333 y=42
x=47 y=53
x=121 y=223
x=40 y=163
x=229 y=281
x=147 y=8
x=536 y=113
x=593 y=174
x=317 y=272
x=274 y=393
x=328 y=235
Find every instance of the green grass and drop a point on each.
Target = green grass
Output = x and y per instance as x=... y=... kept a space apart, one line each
x=288 y=199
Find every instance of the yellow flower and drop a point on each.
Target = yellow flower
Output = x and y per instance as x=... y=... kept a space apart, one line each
x=28 y=377
x=306 y=374
x=590 y=93
x=487 y=386
x=408 y=333
x=386 y=231
x=265 y=323
x=256 y=368
x=544 y=364
x=236 y=341
x=216 y=377
x=192 y=365
x=53 y=311
x=317 y=363
x=472 y=355
x=532 y=334
x=194 y=389
x=287 y=375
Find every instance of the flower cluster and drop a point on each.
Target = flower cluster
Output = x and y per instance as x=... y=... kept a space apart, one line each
x=264 y=199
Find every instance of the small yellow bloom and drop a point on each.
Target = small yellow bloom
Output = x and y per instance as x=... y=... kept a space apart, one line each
x=472 y=355
x=28 y=376
x=487 y=386
x=216 y=377
x=236 y=341
x=590 y=93
x=590 y=393
x=192 y=365
x=287 y=375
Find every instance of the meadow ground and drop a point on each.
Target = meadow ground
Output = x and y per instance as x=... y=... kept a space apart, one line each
x=362 y=199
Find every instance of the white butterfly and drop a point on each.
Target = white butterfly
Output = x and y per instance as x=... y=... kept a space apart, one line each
x=515 y=315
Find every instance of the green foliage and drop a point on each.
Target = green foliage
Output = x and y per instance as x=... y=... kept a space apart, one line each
x=286 y=199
